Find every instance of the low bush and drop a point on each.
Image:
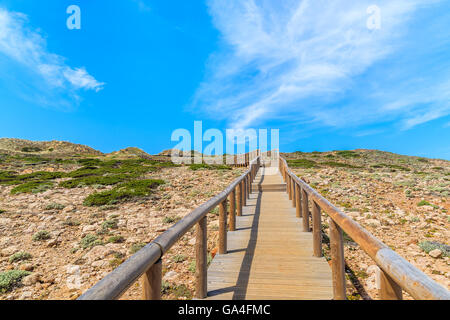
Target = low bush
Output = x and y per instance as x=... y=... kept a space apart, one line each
x=19 y=256
x=428 y=246
x=10 y=279
x=90 y=241
x=32 y=187
x=302 y=163
x=339 y=165
x=135 y=247
x=348 y=154
x=55 y=206
x=116 y=239
x=41 y=236
x=122 y=192
x=205 y=166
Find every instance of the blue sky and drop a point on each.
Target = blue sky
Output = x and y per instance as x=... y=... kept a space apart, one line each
x=139 y=69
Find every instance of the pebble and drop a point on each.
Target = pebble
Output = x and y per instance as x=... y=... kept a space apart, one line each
x=436 y=253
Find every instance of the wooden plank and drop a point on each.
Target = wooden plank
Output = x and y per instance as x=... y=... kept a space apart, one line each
x=269 y=257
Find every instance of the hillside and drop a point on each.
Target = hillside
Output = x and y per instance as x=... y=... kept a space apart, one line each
x=130 y=152
x=45 y=148
x=402 y=200
x=67 y=221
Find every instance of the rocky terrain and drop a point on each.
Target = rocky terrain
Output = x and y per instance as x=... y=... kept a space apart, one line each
x=403 y=201
x=66 y=223
x=67 y=218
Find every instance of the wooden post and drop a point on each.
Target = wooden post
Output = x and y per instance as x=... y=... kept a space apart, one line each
x=389 y=290
x=289 y=186
x=232 y=210
x=317 y=230
x=337 y=261
x=201 y=255
x=239 y=199
x=249 y=186
x=298 y=200
x=244 y=192
x=293 y=183
x=151 y=282
x=305 y=211
x=223 y=227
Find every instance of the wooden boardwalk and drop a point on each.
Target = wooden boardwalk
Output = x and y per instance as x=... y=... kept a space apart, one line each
x=269 y=256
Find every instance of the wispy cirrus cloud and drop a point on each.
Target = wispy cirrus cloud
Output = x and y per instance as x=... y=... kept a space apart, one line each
x=315 y=61
x=21 y=44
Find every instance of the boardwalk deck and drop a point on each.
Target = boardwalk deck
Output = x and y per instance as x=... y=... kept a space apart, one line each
x=269 y=256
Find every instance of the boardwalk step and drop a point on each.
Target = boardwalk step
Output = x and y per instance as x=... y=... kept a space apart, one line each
x=268 y=187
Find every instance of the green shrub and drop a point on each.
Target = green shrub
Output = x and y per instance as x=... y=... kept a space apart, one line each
x=90 y=241
x=423 y=203
x=96 y=180
x=135 y=247
x=71 y=223
x=179 y=258
x=177 y=290
x=11 y=178
x=116 y=239
x=31 y=149
x=41 y=235
x=196 y=167
x=55 y=206
x=348 y=154
x=32 y=187
x=2 y=211
x=123 y=192
x=302 y=163
x=169 y=220
x=110 y=224
x=10 y=279
x=19 y=256
x=339 y=165
x=428 y=246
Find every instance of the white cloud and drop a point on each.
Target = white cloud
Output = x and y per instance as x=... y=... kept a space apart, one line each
x=28 y=47
x=279 y=57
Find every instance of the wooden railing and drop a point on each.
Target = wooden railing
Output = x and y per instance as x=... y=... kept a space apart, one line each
x=396 y=274
x=147 y=262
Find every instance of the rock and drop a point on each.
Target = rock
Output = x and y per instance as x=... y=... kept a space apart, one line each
x=73 y=269
x=52 y=243
x=171 y=275
x=192 y=241
x=98 y=253
x=4 y=221
x=99 y=264
x=27 y=267
x=436 y=253
x=68 y=209
x=26 y=295
x=373 y=222
x=31 y=279
x=89 y=228
x=9 y=251
x=73 y=282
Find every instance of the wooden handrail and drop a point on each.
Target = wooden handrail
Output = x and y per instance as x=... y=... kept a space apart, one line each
x=396 y=273
x=147 y=261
